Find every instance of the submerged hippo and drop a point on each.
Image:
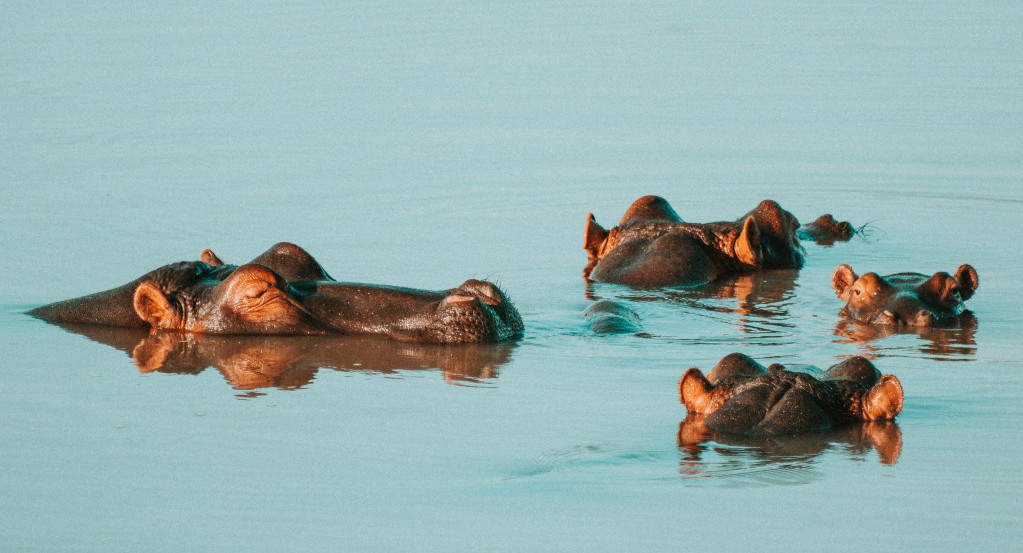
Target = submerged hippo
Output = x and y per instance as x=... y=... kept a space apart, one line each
x=909 y=299
x=652 y=246
x=285 y=291
x=741 y=396
x=826 y=230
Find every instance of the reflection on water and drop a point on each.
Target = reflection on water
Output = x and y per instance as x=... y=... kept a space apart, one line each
x=779 y=459
x=938 y=343
x=749 y=302
x=291 y=362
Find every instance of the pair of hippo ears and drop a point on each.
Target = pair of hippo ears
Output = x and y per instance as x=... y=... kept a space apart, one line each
x=966 y=281
x=747 y=248
x=883 y=401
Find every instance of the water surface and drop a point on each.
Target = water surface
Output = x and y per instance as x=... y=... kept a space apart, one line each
x=424 y=145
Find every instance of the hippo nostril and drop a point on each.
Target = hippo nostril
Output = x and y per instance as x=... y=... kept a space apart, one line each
x=486 y=291
x=457 y=298
x=888 y=317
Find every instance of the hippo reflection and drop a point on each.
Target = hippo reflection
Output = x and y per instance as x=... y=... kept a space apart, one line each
x=652 y=246
x=285 y=291
x=937 y=342
x=904 y=299
x=741 y=396
x=758 y=300
x=858 y=438
x=291 y=362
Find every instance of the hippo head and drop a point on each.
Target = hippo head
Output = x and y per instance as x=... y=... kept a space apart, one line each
x=775 y=236
x=285 y=291
x=254 y=299
x=741 y=396
x=905 y=298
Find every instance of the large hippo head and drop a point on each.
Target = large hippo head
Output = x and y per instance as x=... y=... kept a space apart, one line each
x=256 y=299
x=904 y=298
x=741 y=396
x=652 y=246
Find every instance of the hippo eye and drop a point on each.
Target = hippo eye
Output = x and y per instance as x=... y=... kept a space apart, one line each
x=857 y=292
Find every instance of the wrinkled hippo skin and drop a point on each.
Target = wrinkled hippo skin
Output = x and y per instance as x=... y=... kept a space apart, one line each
x=825 y=230
x=909 y=299
x=285 y=291
x=652 y=246
x=740 y=396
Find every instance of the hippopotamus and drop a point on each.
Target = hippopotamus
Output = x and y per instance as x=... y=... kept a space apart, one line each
x=826 y=230
x=740 y=396
x=652 y=246
x=612 y=317
x=909 y=299
x=285 y=291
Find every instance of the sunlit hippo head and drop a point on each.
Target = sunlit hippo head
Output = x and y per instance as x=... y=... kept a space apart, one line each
x=214 y=298
x=741 y=396
x=909 y=299
x=653 y=246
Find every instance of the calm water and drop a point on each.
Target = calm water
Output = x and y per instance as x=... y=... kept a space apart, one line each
x=423 y=145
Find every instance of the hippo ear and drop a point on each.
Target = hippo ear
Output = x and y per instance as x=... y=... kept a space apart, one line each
x=884 y=400
x=694 y=391
x=154 y=308
x=843 y=280
x=595 y=236
x=966 y=277
x=210 y=258
x=747 y=247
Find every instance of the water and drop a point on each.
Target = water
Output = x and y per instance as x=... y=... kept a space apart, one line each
x=423 y=145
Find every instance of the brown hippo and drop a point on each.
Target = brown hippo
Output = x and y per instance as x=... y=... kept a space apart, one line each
x=910 y=299
x=740 y=396
x=285 y=291
x=826 y=230
x=652 y=246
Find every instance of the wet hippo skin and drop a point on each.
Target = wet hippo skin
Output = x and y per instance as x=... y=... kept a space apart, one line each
x=910 y=299
x=826 y=230
x=741 y=396
x=285 y=291
x=653 y=246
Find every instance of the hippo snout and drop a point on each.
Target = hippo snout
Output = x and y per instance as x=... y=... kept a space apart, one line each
x=476 y=311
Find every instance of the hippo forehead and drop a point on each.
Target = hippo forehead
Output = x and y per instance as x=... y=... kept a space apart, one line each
x=186 y=274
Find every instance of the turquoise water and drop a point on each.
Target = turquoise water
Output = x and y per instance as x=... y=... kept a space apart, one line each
x=423 y=145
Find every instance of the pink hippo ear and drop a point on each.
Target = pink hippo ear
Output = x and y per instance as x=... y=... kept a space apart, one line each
x=594 y=238
x=210 y=258
x=966 y=277
x=884 y=400
x=842 y=280
x=154 y=308
x=747 y=247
